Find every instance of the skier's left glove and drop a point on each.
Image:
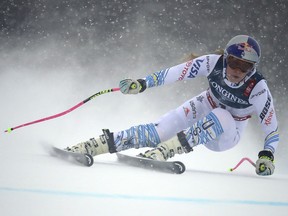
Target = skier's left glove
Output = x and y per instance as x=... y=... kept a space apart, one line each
x=129 y=86
x=265 y=163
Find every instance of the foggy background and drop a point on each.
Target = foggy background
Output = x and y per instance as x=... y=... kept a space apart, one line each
x=54 y=54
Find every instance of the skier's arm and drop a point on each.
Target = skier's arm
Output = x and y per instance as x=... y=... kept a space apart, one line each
x=262 y=100
x=200 y=66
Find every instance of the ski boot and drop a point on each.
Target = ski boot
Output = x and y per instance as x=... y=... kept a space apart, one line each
x=93 y=147
x=176 y=145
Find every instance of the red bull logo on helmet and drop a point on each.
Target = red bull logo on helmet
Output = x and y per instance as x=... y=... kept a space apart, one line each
x=245 y=47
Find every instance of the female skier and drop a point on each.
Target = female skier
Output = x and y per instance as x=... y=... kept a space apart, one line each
x=215 y=118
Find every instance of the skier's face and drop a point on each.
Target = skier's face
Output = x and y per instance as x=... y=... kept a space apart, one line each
x=234 y=75
x=237 y=69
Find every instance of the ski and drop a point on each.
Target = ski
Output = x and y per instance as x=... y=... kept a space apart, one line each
x=84 y=159
x=175 y=167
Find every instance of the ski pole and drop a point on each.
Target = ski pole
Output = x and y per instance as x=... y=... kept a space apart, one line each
x=241 y=161
x=65 y=112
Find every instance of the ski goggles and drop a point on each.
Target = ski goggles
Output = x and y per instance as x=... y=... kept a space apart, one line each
x=234 y=63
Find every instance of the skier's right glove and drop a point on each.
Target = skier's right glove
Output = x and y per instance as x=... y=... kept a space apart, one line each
x=129 y=86
x=265 y=163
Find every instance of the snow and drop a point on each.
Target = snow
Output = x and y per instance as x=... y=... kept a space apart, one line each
x=38 y=184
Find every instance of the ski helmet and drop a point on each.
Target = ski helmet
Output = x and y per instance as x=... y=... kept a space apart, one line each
x=243 y=47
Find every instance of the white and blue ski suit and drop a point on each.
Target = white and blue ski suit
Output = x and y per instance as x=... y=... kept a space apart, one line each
x=215 y=118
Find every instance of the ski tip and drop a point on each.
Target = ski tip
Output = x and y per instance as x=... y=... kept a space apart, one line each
x=83 y=159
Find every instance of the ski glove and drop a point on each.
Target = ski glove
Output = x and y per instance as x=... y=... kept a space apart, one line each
x=265 y=163
x=129 y=86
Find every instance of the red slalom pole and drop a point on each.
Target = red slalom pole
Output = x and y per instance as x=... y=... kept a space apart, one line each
x=241 y=161
x=65 y=112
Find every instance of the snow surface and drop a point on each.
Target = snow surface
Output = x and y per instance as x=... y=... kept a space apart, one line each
x=37 y=184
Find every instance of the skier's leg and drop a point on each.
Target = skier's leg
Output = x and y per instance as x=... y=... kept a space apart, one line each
x=135 y=137
x=217 y=125
x=229 y=139
x=150 y=135
x=146 y=135
x=182 y=117
x=139 y=136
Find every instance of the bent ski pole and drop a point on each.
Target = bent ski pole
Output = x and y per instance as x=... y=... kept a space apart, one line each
x=241 y=161
x=65 y=112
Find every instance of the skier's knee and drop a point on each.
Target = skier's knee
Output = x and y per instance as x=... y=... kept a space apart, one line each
x=230 y=137
x=225 y=118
